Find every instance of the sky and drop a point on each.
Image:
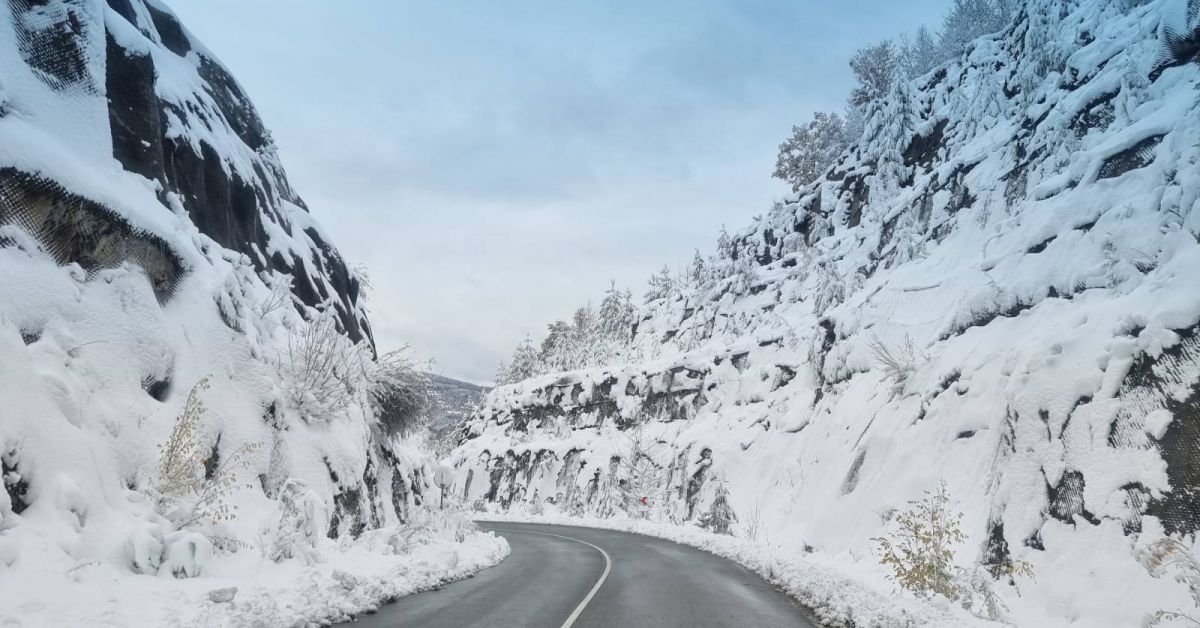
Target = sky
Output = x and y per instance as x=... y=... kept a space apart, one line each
x=495 y=165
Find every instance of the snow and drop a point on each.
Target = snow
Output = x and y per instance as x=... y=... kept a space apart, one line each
x=1048 y=291
x=351 y=578
x=819 y=582
x=316 y=521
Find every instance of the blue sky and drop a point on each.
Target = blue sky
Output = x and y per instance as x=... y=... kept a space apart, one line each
x=496 y=164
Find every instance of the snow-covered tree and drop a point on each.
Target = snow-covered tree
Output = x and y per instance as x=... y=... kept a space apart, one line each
x=874 y=68
x=720 y=517
x=922 y=53
x=969 y=19
x=698 y=273
x=659 y=285
x=526 y=362
x=890 y=128
x=811 y=149
x=615 y=318
x=724 y=245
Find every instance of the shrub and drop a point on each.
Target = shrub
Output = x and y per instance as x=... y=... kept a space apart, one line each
x=323 y=369
x=301 y=523
x=401 y=393
x=181 y=491
x=898 y=363
x=920 y=553
x=1166 y=555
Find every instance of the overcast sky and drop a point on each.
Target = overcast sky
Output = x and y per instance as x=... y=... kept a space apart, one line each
x=496 y=164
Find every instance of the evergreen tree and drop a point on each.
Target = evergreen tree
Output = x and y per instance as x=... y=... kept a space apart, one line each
x=922 y=53
x=660 y=285
x=724 y=245
x=615 y=318
x=720 y=517
x=811 y=149
x=970 y=19
x=526 y=362
x=874 y=68
x=699 y=270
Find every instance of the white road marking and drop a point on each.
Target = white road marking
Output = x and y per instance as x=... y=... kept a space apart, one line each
x=596 y=587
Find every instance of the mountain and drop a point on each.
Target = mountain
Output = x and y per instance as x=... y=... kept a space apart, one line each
x=454 y=402
x=167 y=299
x=994 y=289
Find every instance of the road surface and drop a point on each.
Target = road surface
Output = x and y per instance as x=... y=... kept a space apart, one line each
x=569 y=577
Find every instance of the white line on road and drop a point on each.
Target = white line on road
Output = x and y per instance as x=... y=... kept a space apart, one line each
x=596 y=587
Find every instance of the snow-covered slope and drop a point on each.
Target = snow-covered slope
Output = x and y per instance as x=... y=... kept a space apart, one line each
x=997 y=289
x=149 y=239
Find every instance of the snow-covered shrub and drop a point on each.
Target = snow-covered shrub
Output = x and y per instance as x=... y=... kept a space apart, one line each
x=810 y=150
x=323 y=369
x=920 y=551
x=1166 y=555
x=302 y=523
x=720 y=517
x=184 y=554
x=401 y=394
x=898 y=362
x=181 y=490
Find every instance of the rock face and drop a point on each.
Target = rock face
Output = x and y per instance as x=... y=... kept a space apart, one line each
x=995 y=288
x=177 y=118
x=150 y=239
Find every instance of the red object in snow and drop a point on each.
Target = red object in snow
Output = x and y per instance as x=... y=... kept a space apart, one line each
x=645 y=501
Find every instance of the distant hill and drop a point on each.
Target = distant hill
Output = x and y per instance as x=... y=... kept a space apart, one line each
x=454 y=402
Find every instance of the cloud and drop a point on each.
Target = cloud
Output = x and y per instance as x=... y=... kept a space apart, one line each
x=497 y=164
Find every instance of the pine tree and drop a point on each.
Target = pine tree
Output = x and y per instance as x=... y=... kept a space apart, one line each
x=720 y=517
x=615 y=318
x=811 y=149
x=875 y=68
x=970 y=19
x=724 y=245
x=660 y=285
x=699 y=270
x=526 y=362
x=922 y=53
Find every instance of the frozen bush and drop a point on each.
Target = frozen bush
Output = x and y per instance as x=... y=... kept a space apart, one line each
x=401 y=393
x=144 y=549
x=184 y=554
x=1171 y=554
x=898 y=362
x=301 y=523
x=323 y=370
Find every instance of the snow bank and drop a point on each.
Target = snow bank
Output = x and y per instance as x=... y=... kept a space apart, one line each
x=835 y=596
x=243 y=589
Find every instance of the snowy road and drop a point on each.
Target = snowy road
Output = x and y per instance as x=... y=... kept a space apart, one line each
x=569 y=577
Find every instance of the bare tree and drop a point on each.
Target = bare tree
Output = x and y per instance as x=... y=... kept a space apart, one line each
x=323 y=369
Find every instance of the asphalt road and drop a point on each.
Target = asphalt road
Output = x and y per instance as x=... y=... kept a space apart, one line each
x=569 y=577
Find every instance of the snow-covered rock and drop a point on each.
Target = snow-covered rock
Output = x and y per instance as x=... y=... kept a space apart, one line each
x=996 y=288
x=150 y=240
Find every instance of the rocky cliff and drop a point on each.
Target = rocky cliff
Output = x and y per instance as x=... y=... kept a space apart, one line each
x=995 y=288
x=149 y=240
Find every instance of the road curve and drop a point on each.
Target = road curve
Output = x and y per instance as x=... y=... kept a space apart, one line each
x=570 y=577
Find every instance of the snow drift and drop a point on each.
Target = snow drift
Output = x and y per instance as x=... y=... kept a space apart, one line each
x=996 y=288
